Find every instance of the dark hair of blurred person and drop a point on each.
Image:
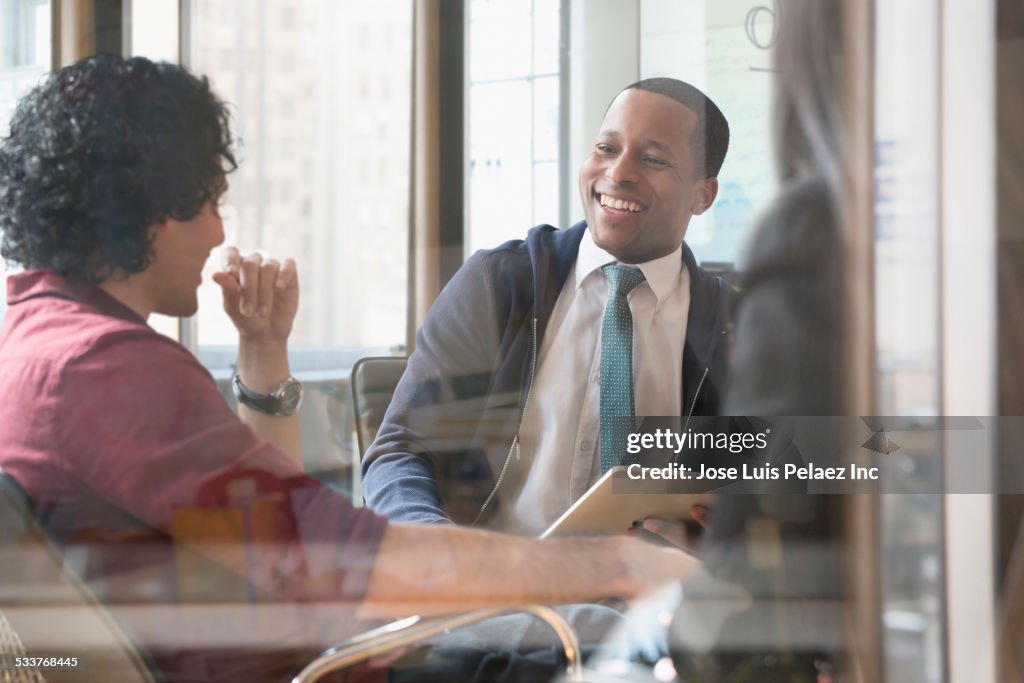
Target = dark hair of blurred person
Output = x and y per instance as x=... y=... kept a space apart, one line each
x=791 y=310
x=806 y=114
x=787 y=361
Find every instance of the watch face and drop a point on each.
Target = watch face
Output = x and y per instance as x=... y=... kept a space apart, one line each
x=290 y=397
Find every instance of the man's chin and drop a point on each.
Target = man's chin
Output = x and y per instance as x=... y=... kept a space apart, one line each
x=614 y=242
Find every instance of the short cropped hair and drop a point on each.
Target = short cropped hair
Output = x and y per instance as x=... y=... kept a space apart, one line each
x=711 y=139
x=99 y=152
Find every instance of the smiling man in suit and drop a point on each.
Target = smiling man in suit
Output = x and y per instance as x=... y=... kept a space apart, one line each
x=538 y=354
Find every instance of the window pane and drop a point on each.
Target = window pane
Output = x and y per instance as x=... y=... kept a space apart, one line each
x=514 y=105
x=545 y=118
x=500 y=38
x=24 y=58
x=320 y=95
x=500 y=164
x=546 y=29
x=324 y=167
x=545 y=193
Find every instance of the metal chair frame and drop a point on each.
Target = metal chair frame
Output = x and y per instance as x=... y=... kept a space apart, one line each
x=408 y=631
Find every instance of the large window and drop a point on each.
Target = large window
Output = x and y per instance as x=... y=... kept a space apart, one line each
x=320 y=96
x=24 y=58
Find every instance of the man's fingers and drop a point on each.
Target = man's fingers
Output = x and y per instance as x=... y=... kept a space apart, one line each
x=225 y=281
x=268 y=277
x=700 y=514
x=287 y=285
x=231 y=260
x=257 y=286
x=249 y=279
x=287 y=277
x=229 y=290
x=672 y=530
x=664 y=527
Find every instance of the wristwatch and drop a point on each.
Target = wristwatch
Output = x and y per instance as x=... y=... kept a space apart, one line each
x=283 y=402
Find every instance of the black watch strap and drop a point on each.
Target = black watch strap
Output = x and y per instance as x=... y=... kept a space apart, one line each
x=282 y=403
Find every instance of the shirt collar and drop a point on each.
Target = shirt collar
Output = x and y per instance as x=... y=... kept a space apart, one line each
x=32 y=284
x=662 y=274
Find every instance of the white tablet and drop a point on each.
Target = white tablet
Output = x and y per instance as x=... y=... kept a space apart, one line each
x=603 y=511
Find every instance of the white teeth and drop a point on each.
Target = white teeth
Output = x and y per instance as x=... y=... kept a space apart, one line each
x=619 y=204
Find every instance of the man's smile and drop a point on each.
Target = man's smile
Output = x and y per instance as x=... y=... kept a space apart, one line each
x=619 y=204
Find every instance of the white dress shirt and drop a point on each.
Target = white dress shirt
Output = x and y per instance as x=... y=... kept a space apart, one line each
x=558 y=438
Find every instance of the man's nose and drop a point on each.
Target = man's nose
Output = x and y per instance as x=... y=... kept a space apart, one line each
x=622 y=169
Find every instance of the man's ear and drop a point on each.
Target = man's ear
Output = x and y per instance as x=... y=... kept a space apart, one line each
x=707 y=190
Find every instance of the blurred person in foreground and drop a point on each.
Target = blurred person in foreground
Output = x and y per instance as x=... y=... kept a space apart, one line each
x=110 y=179
x=769 y=603
x=786 y=551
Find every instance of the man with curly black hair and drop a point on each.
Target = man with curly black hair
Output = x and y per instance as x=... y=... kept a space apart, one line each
x=109 y=182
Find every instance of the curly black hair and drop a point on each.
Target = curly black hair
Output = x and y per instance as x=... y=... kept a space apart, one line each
x=99 y=152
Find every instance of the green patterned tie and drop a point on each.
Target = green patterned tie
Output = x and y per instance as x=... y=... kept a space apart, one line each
x=618 y=416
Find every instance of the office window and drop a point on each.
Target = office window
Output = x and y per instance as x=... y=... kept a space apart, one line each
x=323 y=178
x=24 y=58
x=515 y=101
x=723 y=48
x=513 y=94
x=305 y=155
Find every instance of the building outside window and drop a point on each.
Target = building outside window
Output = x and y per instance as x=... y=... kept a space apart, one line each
x=320 y=95
x=24 y=59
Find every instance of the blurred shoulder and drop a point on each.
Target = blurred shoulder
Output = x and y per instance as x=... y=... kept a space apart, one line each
x=799 y=229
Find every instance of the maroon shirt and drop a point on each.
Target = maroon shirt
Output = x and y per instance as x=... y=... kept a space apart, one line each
x=117 y=432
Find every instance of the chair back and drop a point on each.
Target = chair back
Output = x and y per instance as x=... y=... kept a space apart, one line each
x=373 y=384
x=48 y=611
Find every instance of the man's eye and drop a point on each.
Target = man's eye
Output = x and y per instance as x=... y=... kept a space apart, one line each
x=654 y=160
x=603 y=148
